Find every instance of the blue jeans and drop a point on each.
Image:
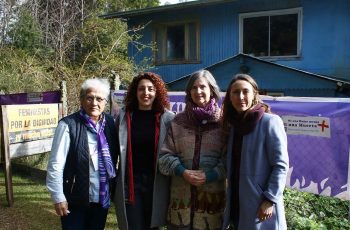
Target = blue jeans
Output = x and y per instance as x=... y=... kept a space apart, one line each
x=139 y=215
x=88 y=218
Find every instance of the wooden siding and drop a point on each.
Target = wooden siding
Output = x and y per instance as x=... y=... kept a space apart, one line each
x=325 y=43
x=271 y=78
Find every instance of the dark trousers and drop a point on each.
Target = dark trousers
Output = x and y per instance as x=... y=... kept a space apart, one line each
x=88 y=218
x=139 y=215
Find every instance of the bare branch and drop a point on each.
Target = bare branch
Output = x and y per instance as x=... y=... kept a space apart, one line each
x=123 y=34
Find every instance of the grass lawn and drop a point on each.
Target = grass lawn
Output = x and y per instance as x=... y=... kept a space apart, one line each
x=32 y=207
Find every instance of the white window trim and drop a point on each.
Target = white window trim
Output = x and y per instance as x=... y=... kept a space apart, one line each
x=298 y=10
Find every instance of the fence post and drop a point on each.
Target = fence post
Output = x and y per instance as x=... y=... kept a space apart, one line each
x=63 y=88
x=116 y=81
x=115 y=86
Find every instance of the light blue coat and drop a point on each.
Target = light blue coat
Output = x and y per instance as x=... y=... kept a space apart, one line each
x=161 y=182
x=263 y=172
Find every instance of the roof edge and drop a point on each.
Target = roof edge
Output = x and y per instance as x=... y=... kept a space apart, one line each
x=267 y=62
x=157 y=9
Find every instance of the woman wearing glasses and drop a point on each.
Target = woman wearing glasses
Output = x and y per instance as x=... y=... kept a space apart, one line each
x=82 y=161
x=141 y=194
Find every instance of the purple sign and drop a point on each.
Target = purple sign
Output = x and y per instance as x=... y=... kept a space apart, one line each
x=318 y=131
x=30 y=98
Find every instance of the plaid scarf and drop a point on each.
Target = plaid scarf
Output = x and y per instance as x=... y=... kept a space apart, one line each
x=105 y=164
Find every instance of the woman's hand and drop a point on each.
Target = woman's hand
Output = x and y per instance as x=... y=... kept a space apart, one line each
x=265 y=210
x=194 y=177
x=62 y=208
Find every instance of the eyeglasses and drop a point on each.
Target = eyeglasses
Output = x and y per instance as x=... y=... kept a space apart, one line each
x=90 y=99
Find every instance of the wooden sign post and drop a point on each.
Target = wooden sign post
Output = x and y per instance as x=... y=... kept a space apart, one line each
x=6 y=157
x=26 y=130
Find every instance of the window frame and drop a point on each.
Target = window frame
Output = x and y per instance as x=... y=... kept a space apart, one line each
x=298 y=11
x=163 y=28
x=275 y=93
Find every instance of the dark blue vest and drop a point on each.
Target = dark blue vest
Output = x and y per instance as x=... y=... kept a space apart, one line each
x=76 y=170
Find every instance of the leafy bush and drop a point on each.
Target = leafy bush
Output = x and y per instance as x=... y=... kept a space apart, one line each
x=310 y=211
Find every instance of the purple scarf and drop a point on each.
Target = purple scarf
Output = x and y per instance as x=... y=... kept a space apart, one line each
x=105 y=164
x=245 y=122
x=207 y=113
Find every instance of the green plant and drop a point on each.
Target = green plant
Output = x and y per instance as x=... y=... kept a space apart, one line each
x=25 y=32
x=310 y=211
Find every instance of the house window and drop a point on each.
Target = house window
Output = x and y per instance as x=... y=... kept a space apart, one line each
x=271 y=34
x=176 y=43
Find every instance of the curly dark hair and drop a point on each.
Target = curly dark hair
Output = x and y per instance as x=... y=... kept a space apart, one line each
x=161 y=101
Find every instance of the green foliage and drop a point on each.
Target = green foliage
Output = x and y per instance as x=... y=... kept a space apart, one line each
x=310 y=211
x=100 y=50
x=21 y=71
x=139 y=4
x=97 y=49
x=25 y=32
x=123 y=5
x=104 y=44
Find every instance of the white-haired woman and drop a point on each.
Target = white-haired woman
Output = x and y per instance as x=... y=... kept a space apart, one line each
x=192 y=156
x=82 y=161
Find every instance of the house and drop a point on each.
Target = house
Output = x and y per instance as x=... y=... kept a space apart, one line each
x=291 y=47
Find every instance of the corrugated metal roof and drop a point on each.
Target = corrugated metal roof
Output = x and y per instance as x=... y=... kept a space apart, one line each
x=164 y=8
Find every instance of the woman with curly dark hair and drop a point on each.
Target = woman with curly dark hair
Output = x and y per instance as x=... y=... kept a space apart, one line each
x=142 y=125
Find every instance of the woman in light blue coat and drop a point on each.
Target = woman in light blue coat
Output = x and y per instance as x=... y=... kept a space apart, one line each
x=257 y=159
x=141 y=193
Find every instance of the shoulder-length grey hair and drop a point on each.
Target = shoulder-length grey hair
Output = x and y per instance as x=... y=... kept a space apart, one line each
x=95 y=83
x=214 y=88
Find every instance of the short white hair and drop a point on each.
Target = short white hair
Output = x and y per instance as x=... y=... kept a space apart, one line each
x=95 y=83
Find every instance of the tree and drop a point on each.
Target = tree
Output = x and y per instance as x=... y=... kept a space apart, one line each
x=60 y=40
x=25 y=33
x=122 y=5
x=7 y=12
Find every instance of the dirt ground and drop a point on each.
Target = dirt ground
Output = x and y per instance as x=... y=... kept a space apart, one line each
x=7 y=220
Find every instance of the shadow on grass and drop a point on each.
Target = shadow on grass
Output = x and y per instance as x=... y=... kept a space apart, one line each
x=33 y=208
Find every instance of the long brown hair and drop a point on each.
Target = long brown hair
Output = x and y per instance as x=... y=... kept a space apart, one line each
x=161 y=101
x=227 y=107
